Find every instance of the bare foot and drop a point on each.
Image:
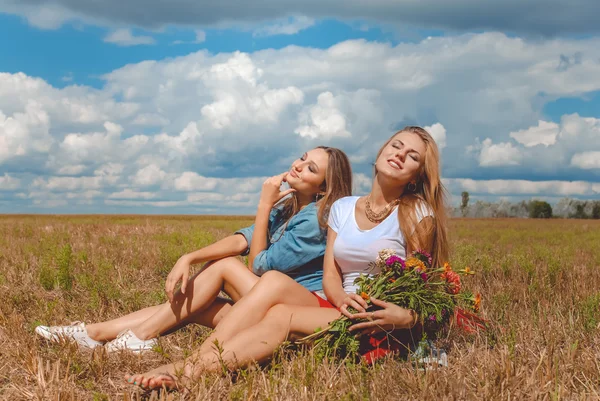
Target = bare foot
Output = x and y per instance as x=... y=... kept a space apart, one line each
x=156 y=378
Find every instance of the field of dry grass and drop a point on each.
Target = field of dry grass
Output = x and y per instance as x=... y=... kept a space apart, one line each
x=540 y=282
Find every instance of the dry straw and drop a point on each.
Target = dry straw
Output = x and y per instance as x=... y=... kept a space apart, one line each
x=540 y=280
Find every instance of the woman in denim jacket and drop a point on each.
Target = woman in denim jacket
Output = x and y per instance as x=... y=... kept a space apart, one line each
x=288 y=235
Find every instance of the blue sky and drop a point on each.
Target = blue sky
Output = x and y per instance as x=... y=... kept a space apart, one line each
x=79 y=51
x=185 y=109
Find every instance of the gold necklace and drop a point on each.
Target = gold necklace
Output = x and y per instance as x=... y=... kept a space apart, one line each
x=380 y=216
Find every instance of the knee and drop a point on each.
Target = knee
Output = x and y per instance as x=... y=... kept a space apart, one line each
x=271 y=285
x=274 y=279
x=226 y=265
x=221 y=263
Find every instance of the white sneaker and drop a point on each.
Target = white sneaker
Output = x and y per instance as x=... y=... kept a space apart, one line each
x=428 y=355
x=439 y=358
x=75 y=332
x=126 y=340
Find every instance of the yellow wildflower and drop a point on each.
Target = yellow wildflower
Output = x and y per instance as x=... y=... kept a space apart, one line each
x=415 y=263
x=412 y=263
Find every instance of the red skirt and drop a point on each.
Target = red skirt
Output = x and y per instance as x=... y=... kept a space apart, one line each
x=323 y=303
x=400 y=342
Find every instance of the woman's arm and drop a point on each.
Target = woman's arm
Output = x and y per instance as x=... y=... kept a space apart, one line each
x=269 y=196
x=389 y=317
x=332 y=276
x=229 y=246
x=259 y=237
x=332 y=281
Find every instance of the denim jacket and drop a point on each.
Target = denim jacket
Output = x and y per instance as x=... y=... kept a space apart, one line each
x=295 y=249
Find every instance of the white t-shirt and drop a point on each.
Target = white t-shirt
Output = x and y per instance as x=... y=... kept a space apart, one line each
x=354 y=248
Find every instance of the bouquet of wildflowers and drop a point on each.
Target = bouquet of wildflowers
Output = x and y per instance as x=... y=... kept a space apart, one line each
x=433 y=292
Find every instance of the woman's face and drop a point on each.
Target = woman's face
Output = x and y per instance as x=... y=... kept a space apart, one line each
x=402 y=157
x=308 y=172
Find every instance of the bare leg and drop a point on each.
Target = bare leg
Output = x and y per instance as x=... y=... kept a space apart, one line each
x=272 y=289
x=201 y=302
x=109 y=330
x=255 y=344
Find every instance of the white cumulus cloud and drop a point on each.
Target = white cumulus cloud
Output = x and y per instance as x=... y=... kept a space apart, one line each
x=438 y=132
x=522 y=187
x=499 y=154
x=544 y=133
x=25 y=132
x=149 y=175
x=130 y=194
x=323 y=120
x=288 y=26
x=190 y=181
x=8 y=183
x=586 y=160
x=124 y=37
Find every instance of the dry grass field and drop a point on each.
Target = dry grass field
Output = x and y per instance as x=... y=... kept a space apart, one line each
x=540 y=282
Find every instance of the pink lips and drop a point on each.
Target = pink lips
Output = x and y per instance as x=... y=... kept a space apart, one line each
x=293 y=173
x=390 y=161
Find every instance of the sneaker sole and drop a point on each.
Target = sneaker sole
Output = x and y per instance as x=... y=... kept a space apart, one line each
x=132 y=350
x=44 y=332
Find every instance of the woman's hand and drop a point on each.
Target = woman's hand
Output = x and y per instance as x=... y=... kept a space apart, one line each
x=271 y=190
x=181 y=271
x=355 y=301
x=388 y=318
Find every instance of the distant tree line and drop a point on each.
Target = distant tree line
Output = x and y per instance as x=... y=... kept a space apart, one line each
x=565 y=208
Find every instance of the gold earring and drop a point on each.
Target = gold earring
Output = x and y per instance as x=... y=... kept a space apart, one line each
x=412 y=188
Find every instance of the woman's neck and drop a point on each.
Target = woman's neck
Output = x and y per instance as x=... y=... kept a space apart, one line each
x=383 y=191
x=303 y=200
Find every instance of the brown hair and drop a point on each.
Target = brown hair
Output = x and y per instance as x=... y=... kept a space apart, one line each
x=336 y=185
x=430 y=191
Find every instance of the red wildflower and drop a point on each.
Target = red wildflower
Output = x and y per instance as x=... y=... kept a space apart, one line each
x=452 y=281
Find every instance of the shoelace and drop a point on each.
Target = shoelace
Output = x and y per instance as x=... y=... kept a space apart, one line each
x=72 y=328
x=122 y=337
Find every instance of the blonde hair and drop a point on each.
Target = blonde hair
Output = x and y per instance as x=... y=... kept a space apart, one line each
x=429 y=190
x=337 y=184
